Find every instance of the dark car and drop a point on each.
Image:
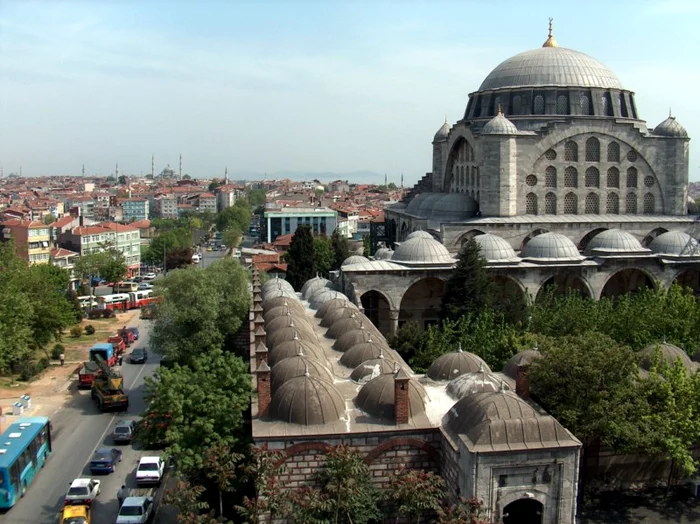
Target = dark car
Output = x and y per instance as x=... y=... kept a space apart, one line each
x=124 y=431
x=138 y=356
x=135 y=331
x=105 y=460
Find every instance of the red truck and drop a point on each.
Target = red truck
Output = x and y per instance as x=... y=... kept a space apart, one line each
x=119 y=348
x=86 y=374
x=127 y=335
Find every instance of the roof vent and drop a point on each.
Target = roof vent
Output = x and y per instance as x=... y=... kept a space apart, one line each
x=3 y=451
x=14 y=435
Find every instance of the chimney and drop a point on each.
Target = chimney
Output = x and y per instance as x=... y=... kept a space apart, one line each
x=401 y=403
x=522 y=382
x=260 y=335
x=264 y=396
x=260 y=355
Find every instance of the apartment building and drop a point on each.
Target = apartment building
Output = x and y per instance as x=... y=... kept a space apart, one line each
x=164 y=206
x=283 y=220
x=227 y=195
x=65 y=259
x=93 y=239
x=31 y=238
x=135 y=209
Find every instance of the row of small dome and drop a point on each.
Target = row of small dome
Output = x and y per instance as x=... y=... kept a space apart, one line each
x=419 y=249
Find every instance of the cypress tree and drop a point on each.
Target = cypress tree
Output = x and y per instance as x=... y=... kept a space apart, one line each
x=341 y=251
x=301 y=262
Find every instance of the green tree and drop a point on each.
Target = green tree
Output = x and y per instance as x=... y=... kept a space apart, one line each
x=323 y=255
x=465 y=511
x=301 y=263
x=232 y=236
x=122 y=180
x=341 y=250
x=221 y=464
x=214 y=184
x=49 y=219
x=238 y=215
x=177 y=237
x=256 y=197
x=470 y=288
x=178 y=257
x=230 y=281
x=413 y=494
x=46 y=286
x=263 y=469
x=187 y=498
x=367 y=250
x=392 y=186
x=109 y=263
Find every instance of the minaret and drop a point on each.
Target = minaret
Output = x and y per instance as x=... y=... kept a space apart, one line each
x=153 y=166
x=116 y=171
x=226 y=175
x=180 y=172
x=20 y=171
x=385 y=184
x=83 y=171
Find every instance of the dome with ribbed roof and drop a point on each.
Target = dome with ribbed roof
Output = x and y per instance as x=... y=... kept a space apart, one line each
x=289 y=321
x=495 y=249
x=271 y=303
x=352 y=337
x=308 y=401
x=442 y=133
x=337 y=314
x=363 y=351
x=377 y=397
x=420 y=234
x=278 y=292
x=451 y=365
x=522 y=359
x=291 y=348
x=348 y=324
x=421 y=251
x=383 y=253
x=275 y=283
x=342 y=301
x=324 y=296
x=294 y=309
x=675 y=243
x=289 y=333
x=670 y=128
x=473 y=383
x=668 y=354
x=551 y=247
x=314 y=285
x=499 y=125
x=296 y=366
x=372 y=368
x=415 y=203
x=354 y=259
x=614 y=242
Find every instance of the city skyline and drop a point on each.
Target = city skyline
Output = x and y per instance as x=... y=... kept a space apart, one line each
x=296 y=87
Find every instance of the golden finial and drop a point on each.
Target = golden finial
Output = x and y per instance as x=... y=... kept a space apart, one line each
x=550 y=42
x=500 y=110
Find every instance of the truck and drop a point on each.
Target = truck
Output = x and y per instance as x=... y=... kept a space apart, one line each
x=105 y=351
x=108 y=388
x=86 y=374
x=118 y=346
x=137 y=507
x=127 y=336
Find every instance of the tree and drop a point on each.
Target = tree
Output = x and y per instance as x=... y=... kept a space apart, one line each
x=231 y=236
x=173 y=236
x=256 y=197
x=16 y=310
x=238 y=215
x=220 y=464
x=413 y=493
x=301 y=263
x=263 y=469
x=49 y=219
x=46 y=287
x=230 y=280
x=367 y=246
x=109 y=264
x=466 y=511
x=323 y=255
x=122 y=180
x=187 y=499
x=178 y=257
x=214 y=184
x=186 y=177
x=470 y=288
x=341 y=250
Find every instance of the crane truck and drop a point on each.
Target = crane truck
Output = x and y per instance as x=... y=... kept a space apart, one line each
x=108 y=388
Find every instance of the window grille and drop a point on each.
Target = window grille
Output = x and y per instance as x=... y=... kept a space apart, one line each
x=593 y=150
x=531 y=204
x=613 y=152
x=612 y=205
x=531 y=180
x=649 y=204
x=648 y=181
x=632 y=155
x=631 y=204
x=550 y=154
x=570 y=204
x=562 y=105
x=570 y=177
x=592 y=204
x=613 y=177
x=517 y=105
x=550 y=176
x=571 y=152
x=632 y=177
x=592 y=177
x=550 y=204
x=585 y=103
x=538 y=105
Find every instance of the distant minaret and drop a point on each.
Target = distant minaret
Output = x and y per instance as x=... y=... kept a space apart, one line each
x=385 y=185
x=226 y=175
x=180 y=173
x=116 y=171
x=401 y=181
x=153 y=166
x=20 y=171
x=83 y=171
x=0 y=171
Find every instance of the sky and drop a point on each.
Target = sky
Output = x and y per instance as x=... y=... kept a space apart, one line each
x=272 y=86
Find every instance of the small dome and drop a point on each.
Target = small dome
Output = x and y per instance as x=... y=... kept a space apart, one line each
x=354 y=259
x=348 y=324
x=343 y=301
x=415 y=203
x=420 y=234
x=495 y=249
x=296 y=366
x=289 y=322
x=499 y=125
x=314 y=285
x=308 y=401
x=353 y=337
x=523 y=359
x=337 y=314
x=270 y=303
x=550 y=247
x=472 y=410
x=277 y=293
x=670 y=128
x=442 y=133
x=372 y=368
x=275 y=283
x=669 y=355
x=324 y=296
x=285 y=334
x=451 y=365
x=614 y=242
x=454 y=207
x=675 y=243
x=383 y=253
x=428 y=203
x=312 y=281
x=421 y=251
x=377 y=397
x=362 y=352
x=473 y=383
x=291 y=348
x=293 y=308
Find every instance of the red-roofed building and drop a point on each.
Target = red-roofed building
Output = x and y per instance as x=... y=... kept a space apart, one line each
x=31 y=238
x=65 y=259
x=271 y=264
x=91 y=239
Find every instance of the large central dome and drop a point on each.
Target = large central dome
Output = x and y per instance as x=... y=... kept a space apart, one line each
x=551 y=66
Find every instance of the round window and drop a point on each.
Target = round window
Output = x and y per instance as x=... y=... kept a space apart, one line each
x=531 y=180
x=632 y=155
x=551 y=154
x=648 y=180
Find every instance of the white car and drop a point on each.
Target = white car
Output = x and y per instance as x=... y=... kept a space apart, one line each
x=145 y=285
x=82 y=491
x=135 y=510
x=195 y=258
x=149 y=276
x=150 y=470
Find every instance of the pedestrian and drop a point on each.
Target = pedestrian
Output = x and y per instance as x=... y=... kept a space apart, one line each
x=120 y=359
x=121 y=495
x=62 y=358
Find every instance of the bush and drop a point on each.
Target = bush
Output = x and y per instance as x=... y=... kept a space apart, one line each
x=56 y=351
x=94 y=314
x=89 y=330
x=31 y=369
x=76 y=332
x=108 y=313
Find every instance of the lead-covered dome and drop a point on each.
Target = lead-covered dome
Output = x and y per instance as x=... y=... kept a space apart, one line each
x=377 y=397
x=442 y=133
x=297 y=366
x=523 y=359
x=420 y=234
x=308 y=401
x=421 y=251
x=551 y=247
x=670 y=128
x=668 y=354
x=383 y=253
x=275 y=283
x=291 y=348
x=675 y=243
x=289 y=321
x=342 y=301
x=362 y=352
x=324 y=296
x=338 y=313
x=370 y=369
x=499 y=125
x=495 y=249
x=451 y=365
x=614 y=242
x=354 y=259
x=453 y=207
x=271 y=303
x=314 y=285
x=292 y=308
x=551 y=66
x=472 y=383
x=352 y=337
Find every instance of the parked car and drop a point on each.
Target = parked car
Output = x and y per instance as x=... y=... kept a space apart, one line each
x=105 y=460
x=82 y=491
x=150 y=470
x=123 y=431
x=149 y=276
x=135 y=510
x=138 y=356
x=144 y=286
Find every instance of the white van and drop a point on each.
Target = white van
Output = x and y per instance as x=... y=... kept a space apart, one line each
x=196 y=258
x=236 y=253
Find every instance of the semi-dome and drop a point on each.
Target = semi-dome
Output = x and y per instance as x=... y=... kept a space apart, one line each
x=342 y=301
x=383 y=253
x=291 y=348
x=442 y=133
x=499 y=125
x=420 y=234
x=308 y=401
x=271 y=303
x=614 y=242
x=377 y=397
x=473 y=383
x=421 y=251
x=522 y=359
x=313 y=287
x=354 y=259
x=372 y=368
x=551 y=247
x=324 y=296
x=451 y=365
x=289 y=321
x=495 y=249
x=670 y=128
x=453 y=207
x=362 y=352
x=351 y=338
x=668 y=353
x=675 y=243
x=551 y=66
x=416 y=202
x=337 y=314
x=289 y=333
x=296 y=366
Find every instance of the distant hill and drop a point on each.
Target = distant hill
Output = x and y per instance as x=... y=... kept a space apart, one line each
x=353 y=177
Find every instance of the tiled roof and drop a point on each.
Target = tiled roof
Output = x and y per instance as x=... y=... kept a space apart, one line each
x=60 y=253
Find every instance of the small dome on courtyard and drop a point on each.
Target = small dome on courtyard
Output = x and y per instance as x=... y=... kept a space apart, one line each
x=354 y=259
x=551 y=247
x=454 y=207
x=355 y=322
x=275 y=283
x=352 y=337
x=377 y=397
x=342 y=301
x=670 y=128
x=362 y=352
x=289 y=321
x=668 y=353
x=308 y=401
x=451 y=365
x=383 y=253
x=499 y=125
x=472 y=383
x=675 y=243
x=293 y=308
x=421 y=251
x=420 y=234
x=314 y=285
x=337 y=314
x=278 y=292
x=522 y=359
x=291 y=348
x=270 y=303
x=296 y=366
x=289 y=333
x=495 y=249
x=324 y=296
x=372 y=368
x=614 y=242
x=442 y=133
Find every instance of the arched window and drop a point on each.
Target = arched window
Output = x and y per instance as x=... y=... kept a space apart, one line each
x=570 y=204
x=592 y=206
x=613 y=177
x=497 y=104
x=623 y=106
x=550 y=204
x=649 y=204
x=570 y=177
x=593 y=150
x=612 y=205
x=631 y=204
x=592 y=177
x=585 y=103
x=613 y=152
x=517 y=105
x=632 y=177
x=531 y=204
x=607 y=105
x=571 y=152
x=538 y=105
x=562 y=105
x=550 y=176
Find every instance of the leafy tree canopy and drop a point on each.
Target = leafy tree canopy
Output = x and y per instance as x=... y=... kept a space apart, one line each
x=238 y=215
x=323 y=255
x=301 y=262
x=256 y=197
x=341 y=250
x=109 y=263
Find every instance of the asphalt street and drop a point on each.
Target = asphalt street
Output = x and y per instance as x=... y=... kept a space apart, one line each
x=79 y=429
x=209 y=257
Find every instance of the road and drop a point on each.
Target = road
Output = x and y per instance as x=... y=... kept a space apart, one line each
x=79 y=429
x=209 y=257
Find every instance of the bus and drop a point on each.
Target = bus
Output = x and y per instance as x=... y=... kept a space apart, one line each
x=126 y=287
x=88 y=301
x=140 y=299
x=118 y=301
x=24 y=448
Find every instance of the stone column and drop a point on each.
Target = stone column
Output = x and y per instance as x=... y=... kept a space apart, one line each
x=401 y=403
x=393 y=321
x=264 y=394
